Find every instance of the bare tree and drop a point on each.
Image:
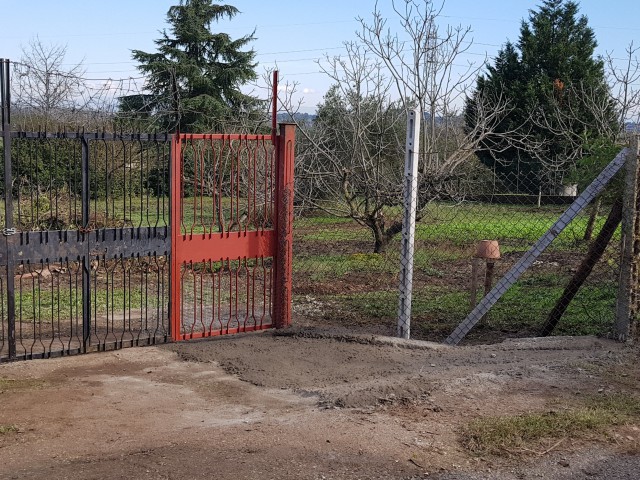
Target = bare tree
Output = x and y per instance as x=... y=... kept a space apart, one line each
x=350 y=160
x=624 y=84
x=44 y=86
x=352 y=165
x=572 y=111
x=426 y=71
x=575 y=110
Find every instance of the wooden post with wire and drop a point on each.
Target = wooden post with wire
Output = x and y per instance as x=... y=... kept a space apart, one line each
x=628 y=303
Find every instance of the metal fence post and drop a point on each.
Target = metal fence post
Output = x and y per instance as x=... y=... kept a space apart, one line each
x=8 y=229
x=86 y=260
x=285 y=148
x=175 y=211
x=409 y=223
x=627 y=301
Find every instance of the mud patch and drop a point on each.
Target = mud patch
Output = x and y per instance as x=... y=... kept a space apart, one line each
x=364 y=371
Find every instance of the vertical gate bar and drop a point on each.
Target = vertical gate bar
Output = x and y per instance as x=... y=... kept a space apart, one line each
x=231 y=185
x=8 y=206
x=214 y=193
x=284 y=225
x=274 y=108
x=86 y=261
x=175 y=160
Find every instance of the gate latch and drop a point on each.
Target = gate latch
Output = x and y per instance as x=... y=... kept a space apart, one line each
x=9 y=231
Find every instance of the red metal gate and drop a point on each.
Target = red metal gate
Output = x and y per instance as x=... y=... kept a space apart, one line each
x=231 y=233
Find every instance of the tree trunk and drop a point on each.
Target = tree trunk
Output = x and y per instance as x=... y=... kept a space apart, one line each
x=595 y=210
x=594 y=254
x=380 y=245
x=383 y=237
x=380 y=241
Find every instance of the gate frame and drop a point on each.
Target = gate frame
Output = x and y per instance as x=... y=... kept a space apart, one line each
x=282 y=254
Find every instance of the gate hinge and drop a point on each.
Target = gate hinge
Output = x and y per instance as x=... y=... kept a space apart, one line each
x=9 y=231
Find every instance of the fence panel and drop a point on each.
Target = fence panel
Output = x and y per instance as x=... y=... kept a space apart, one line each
x=88 y=261
x=227 y=216
x=340 y=281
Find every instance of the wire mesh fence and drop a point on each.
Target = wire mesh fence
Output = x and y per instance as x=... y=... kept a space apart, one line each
x=340 y=278
x=44 y=98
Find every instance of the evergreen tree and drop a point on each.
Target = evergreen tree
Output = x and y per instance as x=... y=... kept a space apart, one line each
x=546 y=76
x=195 y=75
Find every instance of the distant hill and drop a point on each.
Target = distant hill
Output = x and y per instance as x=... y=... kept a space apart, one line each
x=297 y=118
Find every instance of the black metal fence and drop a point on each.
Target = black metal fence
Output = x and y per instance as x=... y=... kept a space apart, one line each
x=86 y=242
x=84 y=259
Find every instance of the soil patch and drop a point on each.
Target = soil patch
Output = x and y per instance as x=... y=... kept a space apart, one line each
x=305 y=403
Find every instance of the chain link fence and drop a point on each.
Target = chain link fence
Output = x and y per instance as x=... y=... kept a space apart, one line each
x=342 y=279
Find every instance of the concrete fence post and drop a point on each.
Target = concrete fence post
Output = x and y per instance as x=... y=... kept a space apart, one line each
x=409 y=223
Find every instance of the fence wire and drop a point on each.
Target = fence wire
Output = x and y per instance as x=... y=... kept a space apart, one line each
x=340 y=280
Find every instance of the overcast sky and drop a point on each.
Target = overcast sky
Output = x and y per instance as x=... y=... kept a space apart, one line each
x=293 y=33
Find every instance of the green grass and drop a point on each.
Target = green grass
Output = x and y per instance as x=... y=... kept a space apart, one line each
x=516 y=227
x=344 y=235
x=472 y=223
x=323 y=267
x=438 y=310
x=461 y=224
x=522 y=433
x=6 y=429
x=140 y=210
x=329 y=248
x=320 y=220
x=446 y=241
x=45 y=306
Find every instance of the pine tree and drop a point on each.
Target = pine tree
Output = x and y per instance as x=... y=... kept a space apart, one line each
x=549 y=71
x=195 y=75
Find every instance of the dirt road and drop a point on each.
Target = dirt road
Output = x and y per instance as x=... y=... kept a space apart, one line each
x=305 y=404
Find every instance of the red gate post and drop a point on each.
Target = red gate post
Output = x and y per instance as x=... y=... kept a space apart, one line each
x=175 y=212
x=284 y=225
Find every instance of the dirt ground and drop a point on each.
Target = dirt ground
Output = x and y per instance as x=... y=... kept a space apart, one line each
x=307 y=403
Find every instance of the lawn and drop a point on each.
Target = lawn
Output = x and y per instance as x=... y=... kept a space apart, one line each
x=334 y=265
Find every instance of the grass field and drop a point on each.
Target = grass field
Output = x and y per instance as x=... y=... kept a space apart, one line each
x=335 y=269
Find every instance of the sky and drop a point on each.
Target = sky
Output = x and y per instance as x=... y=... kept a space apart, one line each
x=292 y=34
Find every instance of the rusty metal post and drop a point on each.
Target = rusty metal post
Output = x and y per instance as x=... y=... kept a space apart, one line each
x=274 y=107
x=175 y=182
x=284 y=226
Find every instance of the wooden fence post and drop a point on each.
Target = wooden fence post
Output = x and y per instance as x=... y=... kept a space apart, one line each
x=628 y=302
